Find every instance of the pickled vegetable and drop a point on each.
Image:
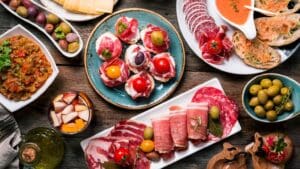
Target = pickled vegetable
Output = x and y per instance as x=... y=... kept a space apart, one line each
x=148 y=133
x=22 y=11
x=49 y=28
x=269 y=105
x=254 y=89
x=260 y=111
x=284 y=91
x=139 y=58
x=265 y=83
x=65 y=28
x=13 y=4
x=289 y=106
x=277 y=100
x=273 y=90
x=27 y=3
x=271 y=115
x=157 y=38
x=277 y=82
x=32 y=12
x=153 y=156
x=72 y=37
x=73 y=47
x=63 y=44
x=262 y=97
x=214 y=112
x=40 y=19
x=254 y=102
x=53 y=19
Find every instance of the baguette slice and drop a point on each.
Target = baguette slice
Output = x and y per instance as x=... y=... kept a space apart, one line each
x=60 y=2
x=255 y=53
x=278 y=30
x=280 y=7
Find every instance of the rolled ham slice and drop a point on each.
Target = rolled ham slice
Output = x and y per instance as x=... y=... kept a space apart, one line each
x=197 y=120
x=178 y=127
x=162 y=135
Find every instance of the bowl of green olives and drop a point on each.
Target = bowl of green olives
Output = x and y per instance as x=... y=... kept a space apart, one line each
x=271 y=98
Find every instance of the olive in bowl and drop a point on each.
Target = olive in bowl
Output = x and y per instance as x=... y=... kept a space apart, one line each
x=271 y=97
x=71 y=112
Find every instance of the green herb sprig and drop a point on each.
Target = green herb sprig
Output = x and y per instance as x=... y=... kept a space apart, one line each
x=5 y=51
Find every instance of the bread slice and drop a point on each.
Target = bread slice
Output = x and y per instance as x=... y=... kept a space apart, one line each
x=61 y=2
x=255 y=53
x=278 y=30
x=279 y=6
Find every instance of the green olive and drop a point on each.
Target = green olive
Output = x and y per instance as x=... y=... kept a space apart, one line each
x=22 y=11
x=148 y=133
x=73 y=47
x=277 y=82
x=284 y=91
x=271 y=115
x=273 y=91
x=289 y=106
x=214 y=112
x=260 y=111
x=269 y=105
x=65 y=28
x=254 y=102
x=53 y=19
x=277 y=99
x=253 y=90
x=262 y=97
x=157 y=38
x=265 y=83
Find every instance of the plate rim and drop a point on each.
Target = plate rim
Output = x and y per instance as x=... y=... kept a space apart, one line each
x=155 y=102
x=292 y=52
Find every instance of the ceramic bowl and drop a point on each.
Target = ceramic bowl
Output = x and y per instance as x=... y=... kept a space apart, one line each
x=11 y=105
x=287 y=81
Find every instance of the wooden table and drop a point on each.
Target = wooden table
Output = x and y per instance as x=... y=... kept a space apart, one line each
x=72 y=77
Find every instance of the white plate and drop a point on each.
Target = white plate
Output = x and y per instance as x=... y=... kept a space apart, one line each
x=11 y=105
x=75 y=17
x=234 y=65
x=162 y=110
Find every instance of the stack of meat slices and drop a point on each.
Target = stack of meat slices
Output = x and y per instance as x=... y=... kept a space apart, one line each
x=215 y=46
x=191 y=123
x=126 y=134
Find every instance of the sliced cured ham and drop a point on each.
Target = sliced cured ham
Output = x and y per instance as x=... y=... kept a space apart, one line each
x=140 y=85
x=178 y=126
x=215 y=97
x=127 y=29
x=137 y=58
x=162 y=135
x=102 y=149
x=197 y=120
x=119 y=66
x=147 y=36
x=108 y=46
x=162 y=67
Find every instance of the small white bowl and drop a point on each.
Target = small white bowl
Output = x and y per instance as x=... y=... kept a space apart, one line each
x=248 y=28
x=11 y=105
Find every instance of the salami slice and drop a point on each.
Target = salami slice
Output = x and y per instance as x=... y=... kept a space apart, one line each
x=228 y=107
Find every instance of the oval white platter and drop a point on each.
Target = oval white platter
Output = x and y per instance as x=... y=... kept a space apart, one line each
x=234 y=65
x=70 y=16
x=162 y=110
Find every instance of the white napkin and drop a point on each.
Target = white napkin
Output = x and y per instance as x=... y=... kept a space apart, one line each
x=9 y=147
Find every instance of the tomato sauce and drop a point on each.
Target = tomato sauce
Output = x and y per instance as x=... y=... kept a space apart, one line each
x=234 y=10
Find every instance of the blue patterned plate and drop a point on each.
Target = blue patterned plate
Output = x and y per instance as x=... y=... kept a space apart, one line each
x=118 y=96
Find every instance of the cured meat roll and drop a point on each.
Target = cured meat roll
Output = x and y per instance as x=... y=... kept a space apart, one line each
x=178 y=126
x=162 y=67
x=137 y=58
x=140 y=85
x=162 y=135
x=197 y=120
x=108 y=46
x=127 y=29
x=155 y=39
x=114 y=73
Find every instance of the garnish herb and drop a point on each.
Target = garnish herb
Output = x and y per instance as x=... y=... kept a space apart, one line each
x=121 y=27
x=5 y=51
x=233 y=4
x=215 y=127
x=106 y=53
x=280 y=145
x=285 y=99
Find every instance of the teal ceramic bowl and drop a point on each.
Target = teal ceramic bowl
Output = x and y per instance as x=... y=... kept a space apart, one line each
x=286 y=82
x=118 y=96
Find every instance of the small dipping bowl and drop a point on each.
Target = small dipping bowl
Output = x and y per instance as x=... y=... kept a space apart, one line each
x=81 y=99
x=288 y=82
x=248 y=27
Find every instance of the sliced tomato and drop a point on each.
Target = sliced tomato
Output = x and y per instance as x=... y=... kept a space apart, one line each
x=121 y=156
x=214 y=46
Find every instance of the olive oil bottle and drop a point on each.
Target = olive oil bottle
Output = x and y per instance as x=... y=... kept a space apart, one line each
x=42 y=148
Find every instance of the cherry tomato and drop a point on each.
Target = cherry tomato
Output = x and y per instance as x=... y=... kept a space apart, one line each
x=147 y=146
x=140 y=84
x=121 y=155
x=162 y=65
x=214 y=46
x=113 y=72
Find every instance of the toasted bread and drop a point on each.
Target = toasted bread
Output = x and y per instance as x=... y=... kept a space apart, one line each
x=278 y=30
x=255 y=53
x=278 y=6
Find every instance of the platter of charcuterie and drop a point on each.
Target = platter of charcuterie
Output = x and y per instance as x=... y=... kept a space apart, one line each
x=134 y=59
x=218 y=33
x=190 y=122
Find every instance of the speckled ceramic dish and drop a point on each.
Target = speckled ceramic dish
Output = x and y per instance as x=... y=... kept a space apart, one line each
x=118 y=96
x=295 y=96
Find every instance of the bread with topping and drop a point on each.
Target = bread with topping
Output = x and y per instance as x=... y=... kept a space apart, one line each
x=279 y=6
